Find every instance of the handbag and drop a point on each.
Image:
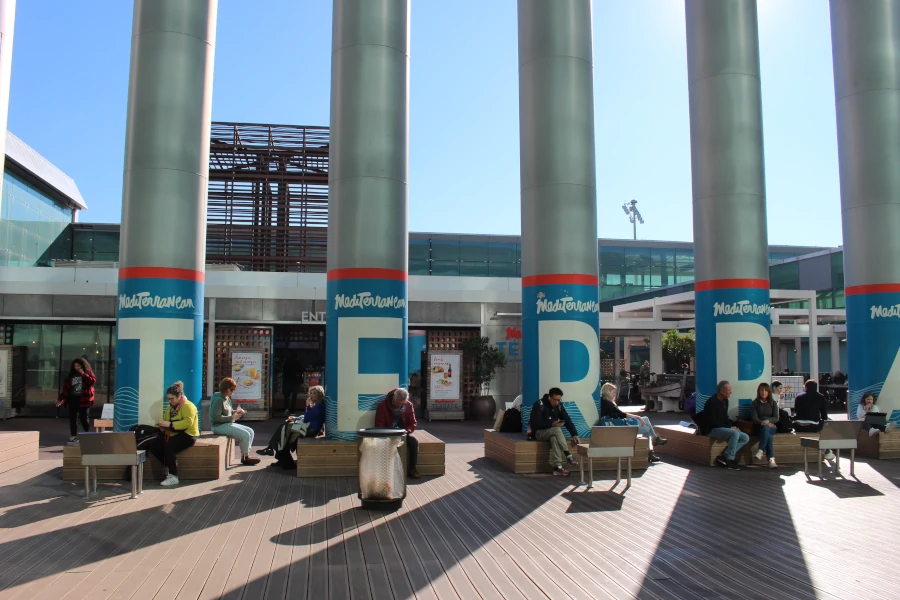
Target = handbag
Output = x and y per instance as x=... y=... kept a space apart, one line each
x=300 y=427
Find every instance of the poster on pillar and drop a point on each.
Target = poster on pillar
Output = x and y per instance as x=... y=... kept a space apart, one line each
x=561 y=345
x=873 y=348
x=733 y=330
x=366 y=340
x=159 y=340
x=247 y=371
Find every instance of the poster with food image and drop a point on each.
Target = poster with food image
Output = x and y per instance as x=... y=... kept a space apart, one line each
x=446 y=374
x=246 y=370
x=5 y=372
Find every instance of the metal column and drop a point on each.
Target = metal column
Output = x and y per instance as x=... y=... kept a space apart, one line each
x=835 y=353
x=160 y=307
x=560 y=294
x=7 y=29
x=865 y=37
x=367 y=211
x=727 y=167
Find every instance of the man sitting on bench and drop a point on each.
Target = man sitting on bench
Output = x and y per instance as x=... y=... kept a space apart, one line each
x=398 y=412
x=548 y=415
x=713 y=421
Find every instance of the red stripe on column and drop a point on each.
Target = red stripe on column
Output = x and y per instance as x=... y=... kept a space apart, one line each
x=875 y=288
x=161 y=273
x=392 y=274
x=560 y=279
x=729 y=284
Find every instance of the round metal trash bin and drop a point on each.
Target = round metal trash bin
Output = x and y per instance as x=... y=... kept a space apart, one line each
x=382 y=466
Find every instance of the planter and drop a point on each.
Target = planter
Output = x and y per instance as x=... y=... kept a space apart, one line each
x=482 y=408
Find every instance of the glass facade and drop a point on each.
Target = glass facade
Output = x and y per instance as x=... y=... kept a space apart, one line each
x=48 y=350
x=31 y=222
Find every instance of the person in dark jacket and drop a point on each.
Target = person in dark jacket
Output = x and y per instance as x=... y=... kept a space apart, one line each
x=291 y=380
x=810 y=409
x=714 y=422
x=765 y=412
x=78 y=394
x=284 y=440
x=398 y=412
x=612 y=415
x=548 y=416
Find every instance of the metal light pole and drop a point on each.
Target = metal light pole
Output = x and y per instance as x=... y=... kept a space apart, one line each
x=634 y=215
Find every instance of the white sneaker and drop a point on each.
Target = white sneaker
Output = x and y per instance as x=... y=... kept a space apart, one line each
x=829 y=455
x=73 y=439
x=170 y=480
x=873 y=432
x=760 y=454
x=772 y=464
x=890 y=427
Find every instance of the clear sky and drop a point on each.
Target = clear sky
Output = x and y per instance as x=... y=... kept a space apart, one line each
x=273 y=65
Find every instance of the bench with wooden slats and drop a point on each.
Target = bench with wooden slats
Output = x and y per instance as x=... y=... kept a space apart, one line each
x=684 y=443
x=320 y=457
x=882 y=446
x=516 y=453
x=18 y=448
x=204 y=461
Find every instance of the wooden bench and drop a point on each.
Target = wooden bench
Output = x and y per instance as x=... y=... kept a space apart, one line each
x=18 y=448
x=684 y=443
x=320 y=457
x=204 y=461
x=516 y=453
x=882 y=446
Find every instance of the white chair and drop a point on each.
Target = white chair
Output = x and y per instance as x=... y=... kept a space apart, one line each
x=111 y=450
x=835 y=436
x=608 y=442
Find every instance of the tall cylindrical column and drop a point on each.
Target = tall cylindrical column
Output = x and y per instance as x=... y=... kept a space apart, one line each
x=864 y=40
x=7 y=28
x=367 y=211
x=729 y=192
x=560 y=310
x=159 y=330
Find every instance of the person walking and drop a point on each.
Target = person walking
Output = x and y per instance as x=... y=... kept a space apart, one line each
x=765 y=413
x=180 y=429
x=223 y=416
x=78 y=394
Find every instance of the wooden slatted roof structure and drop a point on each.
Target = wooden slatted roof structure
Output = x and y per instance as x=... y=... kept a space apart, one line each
x=267 y=208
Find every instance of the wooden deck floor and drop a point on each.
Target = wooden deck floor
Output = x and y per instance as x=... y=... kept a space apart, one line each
x=681 y=531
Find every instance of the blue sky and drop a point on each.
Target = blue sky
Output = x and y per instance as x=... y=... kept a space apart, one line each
x=273 y=65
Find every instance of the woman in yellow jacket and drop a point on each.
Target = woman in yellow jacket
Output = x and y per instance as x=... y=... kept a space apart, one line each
x=180 y=429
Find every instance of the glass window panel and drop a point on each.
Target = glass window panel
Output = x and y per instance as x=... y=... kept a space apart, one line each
x=609 y=292
x=473 y=269
x=837 y=270
x=32 y=222
x=444 y=250
x=90 y=342
x=419 y=249
x=42 y=359
x=504 y=252
x=106 y=242
x=839 y=301
x=662 y=257
x=684 y=274
x=473 y=251
x=825 y=299
x=785 y=276
x=445 y=268
x=684 y=258
x=503 y=269
x=612 y=256
x=637 y=276
x=637 y=257
x=611 y=276
x=419 y=267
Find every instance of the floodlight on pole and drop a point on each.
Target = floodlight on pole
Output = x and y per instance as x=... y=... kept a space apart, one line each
x=634 y=215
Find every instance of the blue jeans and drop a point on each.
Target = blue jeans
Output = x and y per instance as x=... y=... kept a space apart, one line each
x=644 y=430
x=241 y=433
x=736 y=439
x=766 y=437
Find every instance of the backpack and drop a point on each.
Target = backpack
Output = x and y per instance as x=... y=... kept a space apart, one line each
x=512 y=421
x=784 y=422
x=144 y=436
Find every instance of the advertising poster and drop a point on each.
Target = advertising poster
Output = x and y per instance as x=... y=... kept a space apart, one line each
x=444 y=390
x=246 y=368
x=5 y=371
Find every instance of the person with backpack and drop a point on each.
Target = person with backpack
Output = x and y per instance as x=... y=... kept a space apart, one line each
x=765 y=414
x=223 y=416
x=78 y=394
x=548 y=416
x=612 y=415
x=180 y=429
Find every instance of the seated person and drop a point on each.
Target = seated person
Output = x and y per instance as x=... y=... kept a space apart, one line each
x=611 y=414
x=397 y=412
x=309 y=424
x=839 y=378
x=223 y=416
x=180 y=429
x=548 y=416
x=810 y=409
x=713 y=421
x=867 y=405
x=765 y=413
